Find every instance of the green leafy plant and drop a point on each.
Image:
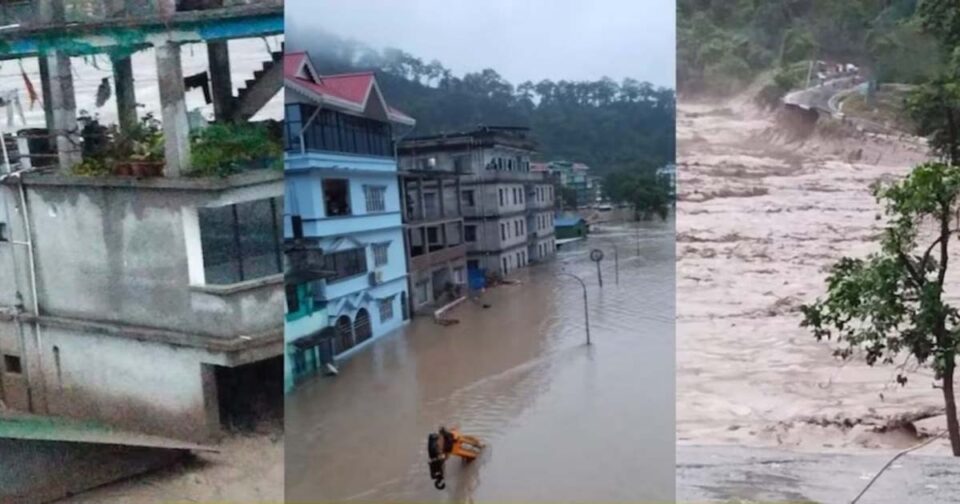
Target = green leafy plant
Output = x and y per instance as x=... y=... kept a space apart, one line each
x=143 y=143
x=223 y=149
x=92 y=167
x=891 y=304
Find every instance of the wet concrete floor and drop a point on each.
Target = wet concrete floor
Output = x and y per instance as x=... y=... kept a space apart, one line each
x=563 y=421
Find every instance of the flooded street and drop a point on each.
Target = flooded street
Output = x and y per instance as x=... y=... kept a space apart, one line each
x=563 y=421
x=760 y=218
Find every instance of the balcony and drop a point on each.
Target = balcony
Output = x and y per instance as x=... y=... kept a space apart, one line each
x=438 y=256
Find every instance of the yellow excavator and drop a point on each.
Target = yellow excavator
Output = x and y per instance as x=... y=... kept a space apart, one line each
x=446 y=442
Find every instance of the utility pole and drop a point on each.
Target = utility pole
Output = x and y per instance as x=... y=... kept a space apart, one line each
x=586 y=311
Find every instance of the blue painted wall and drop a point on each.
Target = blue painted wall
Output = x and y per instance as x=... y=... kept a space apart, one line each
x=304 y=196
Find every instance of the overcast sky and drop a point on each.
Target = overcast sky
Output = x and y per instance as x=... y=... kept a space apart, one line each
x=520 y=39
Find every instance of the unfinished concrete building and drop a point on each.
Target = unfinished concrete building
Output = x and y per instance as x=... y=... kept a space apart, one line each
x=147 y=303
x=506 y=208
x=433 y=229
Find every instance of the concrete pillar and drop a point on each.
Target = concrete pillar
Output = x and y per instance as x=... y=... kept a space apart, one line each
x=126 y=96
x=60 y=105
x=218 y=56
x=123 y=76
x=211 y=400
x=443 y=213
x=402 y=182
x=166 y=8
x=45 y=91
x=457 y=187
x=420 y=202
x=63 y=109
x=176 y=128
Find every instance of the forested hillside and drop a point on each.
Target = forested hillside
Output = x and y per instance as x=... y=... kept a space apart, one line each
x=606 y=124
x=724 y=44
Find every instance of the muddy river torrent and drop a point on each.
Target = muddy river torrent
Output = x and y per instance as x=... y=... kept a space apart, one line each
x=563 y=421
x=761 y=216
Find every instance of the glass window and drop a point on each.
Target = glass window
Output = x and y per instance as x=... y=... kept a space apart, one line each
x=381 y=254
x=433 y=235
x=293 y=299
x=242 y=241
x=345 y=264
x=336 y=197
x=376 y=198
x=469 y=198
x=470 y=233
x=333 y=131
x=386 y=309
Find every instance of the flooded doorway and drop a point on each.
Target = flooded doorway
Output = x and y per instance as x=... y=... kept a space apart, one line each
x=250 y=394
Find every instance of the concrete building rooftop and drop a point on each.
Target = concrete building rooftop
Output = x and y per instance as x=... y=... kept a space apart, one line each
x=27 y=427
x=93 y=30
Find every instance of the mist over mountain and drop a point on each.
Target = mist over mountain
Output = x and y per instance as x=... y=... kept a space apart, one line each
x=606 y=124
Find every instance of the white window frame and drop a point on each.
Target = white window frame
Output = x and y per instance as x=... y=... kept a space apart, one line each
x=381 y=250
x=375 y=198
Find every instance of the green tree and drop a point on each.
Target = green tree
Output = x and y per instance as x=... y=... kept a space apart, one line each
x=891 y=303
x=935 y=108
x=643 y=189
x=568 y=197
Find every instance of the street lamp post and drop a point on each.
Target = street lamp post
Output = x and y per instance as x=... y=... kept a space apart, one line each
x=638 y=238
x=616 y=258
x=586 y=312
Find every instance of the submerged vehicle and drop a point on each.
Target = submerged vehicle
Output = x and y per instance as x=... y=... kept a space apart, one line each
x=444 y=443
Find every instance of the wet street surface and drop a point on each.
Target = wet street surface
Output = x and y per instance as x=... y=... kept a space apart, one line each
x=746 y=475
x=562 y=421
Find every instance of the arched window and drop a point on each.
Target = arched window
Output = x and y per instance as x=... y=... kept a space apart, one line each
x=344 y=340
x=361 y=326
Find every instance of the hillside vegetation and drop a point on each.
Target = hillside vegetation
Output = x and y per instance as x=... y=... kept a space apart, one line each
x=606 y=124
x=725 y=44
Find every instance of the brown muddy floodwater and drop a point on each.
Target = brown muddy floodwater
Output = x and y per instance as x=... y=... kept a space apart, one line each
x=563 y=421
x=761 y=217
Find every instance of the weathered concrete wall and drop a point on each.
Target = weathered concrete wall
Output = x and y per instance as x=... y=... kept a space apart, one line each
x=41 y=471
x=136 y=385
x=124 y=255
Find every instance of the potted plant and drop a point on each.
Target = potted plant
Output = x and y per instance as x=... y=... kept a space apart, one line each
x=146 y=148
x=138 y=152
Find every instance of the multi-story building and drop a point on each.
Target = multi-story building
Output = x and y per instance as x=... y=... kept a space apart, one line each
x=507 y=209
x=149 y=304
x=342 y=191
x=670 y=173
x=433 y=222
x=306 y=331
x=575 y=176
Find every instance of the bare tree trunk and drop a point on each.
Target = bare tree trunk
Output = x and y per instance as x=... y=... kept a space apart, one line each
x=953 y=427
